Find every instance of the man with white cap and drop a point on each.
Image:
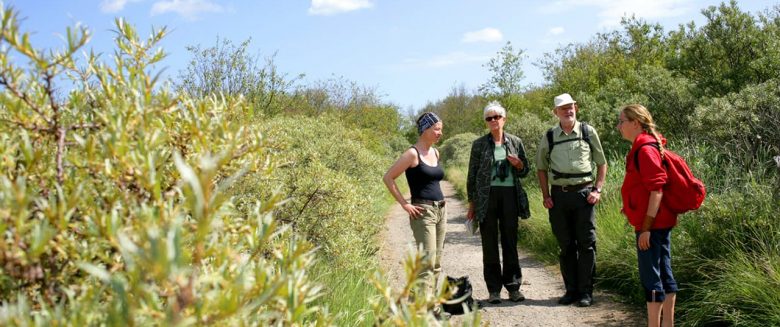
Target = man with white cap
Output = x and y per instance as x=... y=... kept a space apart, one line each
x=564 y=159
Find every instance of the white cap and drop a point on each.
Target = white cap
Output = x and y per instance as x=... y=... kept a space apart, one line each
x=563 y=100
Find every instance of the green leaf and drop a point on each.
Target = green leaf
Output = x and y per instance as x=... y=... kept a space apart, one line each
x=191 y=179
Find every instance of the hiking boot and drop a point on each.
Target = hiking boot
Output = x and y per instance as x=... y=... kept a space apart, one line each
x=494 y=298
x=516 y=296
x=567 y=298
x=585 y=301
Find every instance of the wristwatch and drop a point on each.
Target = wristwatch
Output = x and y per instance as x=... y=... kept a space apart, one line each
x=595 y=189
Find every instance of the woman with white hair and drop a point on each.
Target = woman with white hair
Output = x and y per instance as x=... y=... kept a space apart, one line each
x=496 y=200
x=427 y=214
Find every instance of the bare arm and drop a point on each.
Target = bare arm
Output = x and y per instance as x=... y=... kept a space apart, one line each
x=406 y=160
x=547 y=200
x=601 y=174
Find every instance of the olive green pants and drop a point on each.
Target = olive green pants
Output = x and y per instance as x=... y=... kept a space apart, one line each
x=429 y=229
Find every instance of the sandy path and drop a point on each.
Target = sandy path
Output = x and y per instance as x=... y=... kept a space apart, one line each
x=541 y=285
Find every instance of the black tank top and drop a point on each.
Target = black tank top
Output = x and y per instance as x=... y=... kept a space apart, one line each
x=424 y=180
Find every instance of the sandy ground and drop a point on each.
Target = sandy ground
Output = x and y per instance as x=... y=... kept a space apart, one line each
x=542 y=286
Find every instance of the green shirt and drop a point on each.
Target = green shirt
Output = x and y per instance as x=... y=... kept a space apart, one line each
x=499 y=156
x=571 y=157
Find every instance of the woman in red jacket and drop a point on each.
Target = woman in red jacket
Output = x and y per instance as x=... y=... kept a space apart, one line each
x=642 y=192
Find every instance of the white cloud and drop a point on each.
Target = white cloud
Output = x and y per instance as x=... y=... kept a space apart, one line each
x=187 y=8
x=611 y=11
x=558 y=30
x=332 y=7
x=484 y=35
x=112 y=6
x=445 y=60
x=555 y=36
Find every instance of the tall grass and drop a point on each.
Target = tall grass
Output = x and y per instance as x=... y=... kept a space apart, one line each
x=743 y=290
x=346 y=294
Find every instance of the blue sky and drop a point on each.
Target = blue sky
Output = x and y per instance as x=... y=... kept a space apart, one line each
x=411 y=52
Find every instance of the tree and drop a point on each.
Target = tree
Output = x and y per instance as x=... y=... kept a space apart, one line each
x=358 y=105
x=229 y=70
x=643 y=42
x=460 y=110
x=746 y=123
x=729 y=52
x=505 y=83
x=584 y=68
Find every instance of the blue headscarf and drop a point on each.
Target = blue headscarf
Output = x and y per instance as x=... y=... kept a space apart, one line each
x=427 y=120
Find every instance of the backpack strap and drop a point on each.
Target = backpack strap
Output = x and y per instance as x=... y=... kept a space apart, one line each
x=636 y=154
x=550 y=143
x=564 y=141
x=585 y=133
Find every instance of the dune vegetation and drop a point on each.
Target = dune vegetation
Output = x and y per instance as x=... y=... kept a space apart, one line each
x=237 y=195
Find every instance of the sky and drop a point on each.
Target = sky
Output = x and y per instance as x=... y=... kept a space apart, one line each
x=410 y=52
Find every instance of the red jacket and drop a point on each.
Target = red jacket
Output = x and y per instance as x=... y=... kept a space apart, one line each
x=637 y=185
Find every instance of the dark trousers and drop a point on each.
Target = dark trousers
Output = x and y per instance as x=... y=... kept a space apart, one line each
x=655 y=266
x=501 y=224
x=572 y=220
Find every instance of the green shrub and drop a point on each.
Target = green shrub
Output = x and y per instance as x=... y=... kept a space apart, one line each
x=456 y=150
x=744 y=125
x=330 y=176
x=121 y=203
x=226 y=69
x=113 y=199
x=530 y=129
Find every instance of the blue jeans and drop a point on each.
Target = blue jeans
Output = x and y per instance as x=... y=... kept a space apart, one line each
x=655 y=266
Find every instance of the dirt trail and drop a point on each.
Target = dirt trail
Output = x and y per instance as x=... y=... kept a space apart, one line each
x=541 y=285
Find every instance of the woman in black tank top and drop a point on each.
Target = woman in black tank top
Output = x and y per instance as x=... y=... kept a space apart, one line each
x=426 y=208
x=423 y=179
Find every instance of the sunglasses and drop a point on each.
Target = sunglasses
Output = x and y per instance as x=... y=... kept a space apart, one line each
x=492 y=118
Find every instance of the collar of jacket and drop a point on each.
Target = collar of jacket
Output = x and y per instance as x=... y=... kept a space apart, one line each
x=489 y=139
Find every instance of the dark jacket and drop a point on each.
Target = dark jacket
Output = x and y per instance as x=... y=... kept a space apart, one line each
x=480 y=169
x=637 y=185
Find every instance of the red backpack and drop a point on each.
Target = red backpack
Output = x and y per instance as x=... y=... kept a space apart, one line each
x=683 y=192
